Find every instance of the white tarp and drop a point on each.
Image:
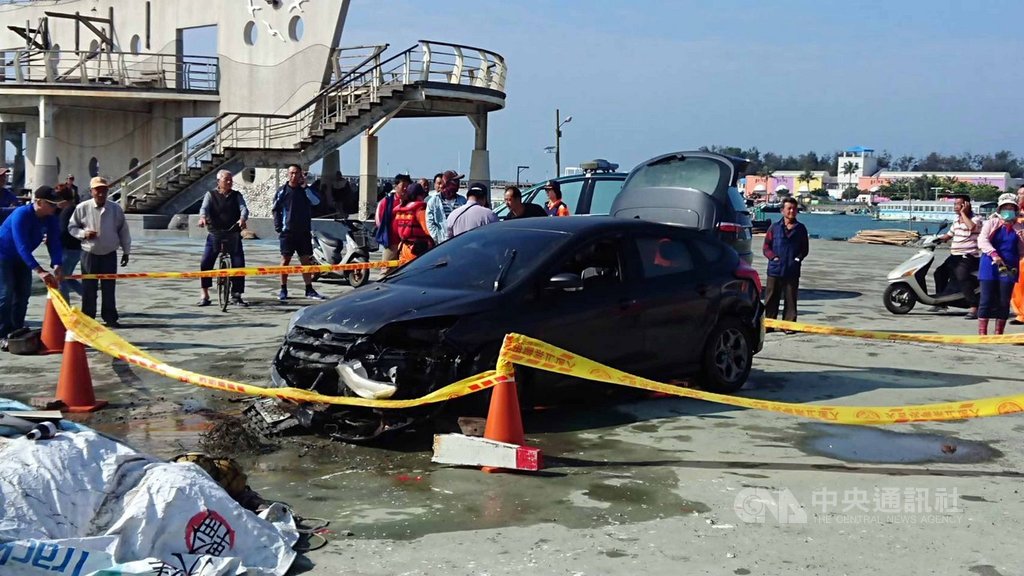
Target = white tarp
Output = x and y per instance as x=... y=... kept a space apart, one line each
x=82 y=504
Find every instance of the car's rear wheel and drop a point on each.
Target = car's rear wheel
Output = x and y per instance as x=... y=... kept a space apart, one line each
x=728 y=356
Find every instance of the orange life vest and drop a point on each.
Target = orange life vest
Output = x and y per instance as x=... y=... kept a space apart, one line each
x=408 y=225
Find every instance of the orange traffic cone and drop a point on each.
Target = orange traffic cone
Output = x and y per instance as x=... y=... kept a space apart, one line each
x=74 y=388
x=504 y=423
x=52 y=338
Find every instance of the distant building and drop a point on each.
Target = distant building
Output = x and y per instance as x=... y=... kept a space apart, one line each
x=784 y=182
x=858 y=167
x=1001 y=180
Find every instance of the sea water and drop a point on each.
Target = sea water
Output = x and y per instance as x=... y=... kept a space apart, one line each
x=843 y=227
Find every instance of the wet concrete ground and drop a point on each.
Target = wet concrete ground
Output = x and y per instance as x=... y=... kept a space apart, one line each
x=659 y=485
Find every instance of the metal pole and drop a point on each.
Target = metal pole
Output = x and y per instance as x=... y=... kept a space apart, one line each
x=519 y=170
x=558 y=138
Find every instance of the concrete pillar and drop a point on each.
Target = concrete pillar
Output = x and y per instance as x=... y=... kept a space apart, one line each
x=46 y=147
x=367 y=175
x=480 y=162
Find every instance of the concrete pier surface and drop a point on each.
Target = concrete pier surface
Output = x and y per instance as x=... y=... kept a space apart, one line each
x=655 y=486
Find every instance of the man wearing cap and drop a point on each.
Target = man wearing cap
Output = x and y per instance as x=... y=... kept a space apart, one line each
x=293 y=222
x=473 y=214
x=441 y=203
x=20 y=235
x=70 y=182
x=102 y=228
x=387 y=226
x=555 y=205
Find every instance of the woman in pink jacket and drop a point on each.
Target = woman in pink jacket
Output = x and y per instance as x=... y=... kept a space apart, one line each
x=1002 y=243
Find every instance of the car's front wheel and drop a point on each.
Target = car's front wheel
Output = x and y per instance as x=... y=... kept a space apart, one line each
x=899 y=298
x=728 y=356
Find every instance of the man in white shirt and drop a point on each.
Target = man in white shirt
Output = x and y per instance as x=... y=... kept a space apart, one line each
x=963 y=256
x=102 y=228
x=473 y=214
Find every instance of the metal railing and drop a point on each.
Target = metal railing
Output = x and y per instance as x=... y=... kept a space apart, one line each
x=362 y=84
x=349 y=58
x=146 y=71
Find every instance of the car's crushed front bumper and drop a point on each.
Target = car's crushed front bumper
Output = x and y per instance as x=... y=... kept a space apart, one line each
x=368 y=366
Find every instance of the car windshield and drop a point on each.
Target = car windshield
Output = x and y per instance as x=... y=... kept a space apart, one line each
x=473 y=261
x=702 y=174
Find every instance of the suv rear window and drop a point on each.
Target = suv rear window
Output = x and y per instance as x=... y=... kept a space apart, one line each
x=703 y=174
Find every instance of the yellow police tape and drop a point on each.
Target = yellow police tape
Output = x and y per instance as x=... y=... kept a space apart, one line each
x=526 y=351
x=896 y=336
x=248 y=271
x=91 y=333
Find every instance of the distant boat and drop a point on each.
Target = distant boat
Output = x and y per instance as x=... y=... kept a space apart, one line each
x=922 y=211
x=828 y=212
x=773 y=207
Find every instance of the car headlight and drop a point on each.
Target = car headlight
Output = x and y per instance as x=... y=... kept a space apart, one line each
x=296 y=318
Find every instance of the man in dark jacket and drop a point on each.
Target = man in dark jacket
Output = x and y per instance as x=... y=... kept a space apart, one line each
x=519 y=209
x=293 y=221
x=72 y=247
x=785 y=246
x=224 y=213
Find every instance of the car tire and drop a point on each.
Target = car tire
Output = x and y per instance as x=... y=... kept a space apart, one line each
x=899 y=298
x=357 y=278
x=728 y=356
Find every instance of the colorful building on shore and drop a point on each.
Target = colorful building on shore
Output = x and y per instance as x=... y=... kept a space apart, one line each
x=858 y=167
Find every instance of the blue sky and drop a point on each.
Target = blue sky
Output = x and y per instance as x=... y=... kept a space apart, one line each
x=645 y=77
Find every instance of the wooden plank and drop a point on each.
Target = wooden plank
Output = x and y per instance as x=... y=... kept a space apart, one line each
x=461 y=450
x=33 y=414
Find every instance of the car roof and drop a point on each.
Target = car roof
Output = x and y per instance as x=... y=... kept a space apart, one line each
x=585 y=225
x=575 y=177
x=738 y=164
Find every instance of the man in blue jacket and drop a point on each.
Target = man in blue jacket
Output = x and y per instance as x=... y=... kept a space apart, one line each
x=20 y=235
x=293 y=222
x=785 y=246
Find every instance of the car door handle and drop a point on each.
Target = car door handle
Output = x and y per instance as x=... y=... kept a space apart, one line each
x=626 y=304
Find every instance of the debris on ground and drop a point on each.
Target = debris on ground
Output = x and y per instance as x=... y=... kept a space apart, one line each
x=231 y=437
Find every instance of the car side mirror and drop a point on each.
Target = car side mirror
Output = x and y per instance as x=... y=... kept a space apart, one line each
x=566 y=282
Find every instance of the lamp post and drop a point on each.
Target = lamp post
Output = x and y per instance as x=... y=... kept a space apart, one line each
x=558 y=143
x=519 y=170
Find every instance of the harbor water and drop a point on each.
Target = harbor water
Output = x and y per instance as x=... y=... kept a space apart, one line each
x=844 y=227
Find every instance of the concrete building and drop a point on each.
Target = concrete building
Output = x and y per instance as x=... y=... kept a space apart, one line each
x=1001 y=180
x=103 y=86
x=785 y=182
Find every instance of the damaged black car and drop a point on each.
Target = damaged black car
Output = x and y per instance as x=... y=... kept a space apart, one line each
x=651 y=299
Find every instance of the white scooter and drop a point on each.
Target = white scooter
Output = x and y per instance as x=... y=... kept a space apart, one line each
x=354 y=247
x=908 y=282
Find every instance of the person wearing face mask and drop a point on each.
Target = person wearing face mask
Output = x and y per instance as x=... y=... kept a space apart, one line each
x=1001 y=242
x=1017 y=300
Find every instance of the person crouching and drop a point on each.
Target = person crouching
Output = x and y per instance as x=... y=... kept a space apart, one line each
x=1001 y=241
x=411 y=223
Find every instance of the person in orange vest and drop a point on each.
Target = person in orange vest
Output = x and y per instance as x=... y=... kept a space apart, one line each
x=555 y=205
x=1017 y=300
x=411 y=224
